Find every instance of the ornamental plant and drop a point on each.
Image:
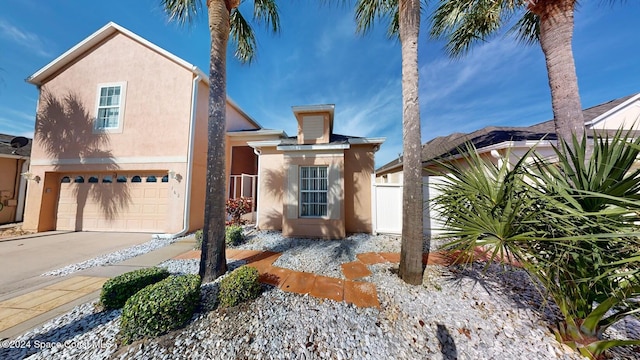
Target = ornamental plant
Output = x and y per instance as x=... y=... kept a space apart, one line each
x=572 y=224
x=160 y=308
x=239 y=286
x=116 y=291
x=233 y=235
x=236 y=208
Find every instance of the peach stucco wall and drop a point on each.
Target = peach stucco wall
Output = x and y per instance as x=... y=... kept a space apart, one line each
x=333 y=225
x=352 y=202
x=271 y=189
x=358 y=170
x=155 y=122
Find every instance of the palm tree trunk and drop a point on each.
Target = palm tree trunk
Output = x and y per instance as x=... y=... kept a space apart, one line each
x=411 y=251
x=213 y=261
x=556 y=33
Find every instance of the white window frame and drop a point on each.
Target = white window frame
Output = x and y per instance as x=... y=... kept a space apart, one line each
x=318 y=191
x=123 y=94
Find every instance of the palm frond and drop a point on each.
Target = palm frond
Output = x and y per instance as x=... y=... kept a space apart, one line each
x=367 y=12
x=243 y=37
x=527 y=29
x=266 y=11
x=182 y=11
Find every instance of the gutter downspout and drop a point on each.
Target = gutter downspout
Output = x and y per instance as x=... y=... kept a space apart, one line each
x=188 y=177
x=496 y=155
x=22 y=192
x=258 y=152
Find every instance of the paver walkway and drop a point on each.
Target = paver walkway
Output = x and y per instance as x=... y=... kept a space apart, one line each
x=22 y=308
x=352 y=290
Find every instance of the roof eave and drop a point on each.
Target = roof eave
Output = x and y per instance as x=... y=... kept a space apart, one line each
x=40 y=76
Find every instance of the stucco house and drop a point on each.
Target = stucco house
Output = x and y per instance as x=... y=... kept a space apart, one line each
x=316 y=184
x=498 y=144
x=121 y=139
x=14 y=161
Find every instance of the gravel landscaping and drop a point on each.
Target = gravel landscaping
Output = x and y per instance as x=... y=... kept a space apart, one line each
x=458 y=313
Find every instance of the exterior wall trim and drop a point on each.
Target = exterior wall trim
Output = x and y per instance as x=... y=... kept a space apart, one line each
x=121 y=160
x=313 y=147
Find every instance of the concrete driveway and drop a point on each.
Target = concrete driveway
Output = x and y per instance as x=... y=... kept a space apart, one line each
x=23 y=259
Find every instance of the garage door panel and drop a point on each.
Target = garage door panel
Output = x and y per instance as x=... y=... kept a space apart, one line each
x=130 y=206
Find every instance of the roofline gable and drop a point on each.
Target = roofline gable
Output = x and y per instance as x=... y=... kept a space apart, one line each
x=613 y=110
x=92 y=40
x=40 y=76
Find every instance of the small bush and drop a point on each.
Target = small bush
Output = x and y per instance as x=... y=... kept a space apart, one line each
x=233 y=235
x=241 y=285
x=160 y=308
x=116 y=291
x=199 y=237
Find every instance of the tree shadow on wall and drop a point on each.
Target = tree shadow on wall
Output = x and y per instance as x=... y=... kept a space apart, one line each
x=274 y=183
x=65 y=130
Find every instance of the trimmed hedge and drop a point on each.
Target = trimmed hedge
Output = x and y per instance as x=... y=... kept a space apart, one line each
x=160 y=308
x=233 y=235
x=116 y=291
x=241 y=285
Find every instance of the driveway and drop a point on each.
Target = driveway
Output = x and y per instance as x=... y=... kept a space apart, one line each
x=23 y=259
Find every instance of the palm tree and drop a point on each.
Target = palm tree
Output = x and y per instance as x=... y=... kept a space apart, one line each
x=404 y=16
x=224 y=20
x=549 y=22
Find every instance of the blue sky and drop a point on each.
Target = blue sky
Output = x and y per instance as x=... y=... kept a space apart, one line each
x=318 y=59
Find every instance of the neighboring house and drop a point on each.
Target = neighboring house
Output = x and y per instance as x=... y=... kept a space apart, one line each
x=120 y=144
x=14 y=161
x=496 y=143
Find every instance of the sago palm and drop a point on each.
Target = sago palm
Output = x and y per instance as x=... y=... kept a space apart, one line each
x=404 y=21
x=572 y=224
x=548 y=22
x=225 y=20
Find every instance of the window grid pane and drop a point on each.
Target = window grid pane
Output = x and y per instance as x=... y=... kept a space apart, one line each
x=108 y=108
x=313 y=191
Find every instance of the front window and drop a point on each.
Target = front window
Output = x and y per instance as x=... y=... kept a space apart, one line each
x=110 y=104
x=313 y=191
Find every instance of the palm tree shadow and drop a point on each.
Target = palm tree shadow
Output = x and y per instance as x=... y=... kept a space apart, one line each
x=515 y=284
x=57 y=336
x=66 y=131
x=447 y=344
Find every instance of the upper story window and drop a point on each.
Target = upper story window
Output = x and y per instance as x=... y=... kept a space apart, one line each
x=110 y=107
x=313 y=191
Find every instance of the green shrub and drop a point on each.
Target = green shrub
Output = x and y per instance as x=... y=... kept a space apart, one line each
x=199 y=237
x=572 y=224
x=159 y=308
x=241 y=285
x=116 y=291
x=233 y=235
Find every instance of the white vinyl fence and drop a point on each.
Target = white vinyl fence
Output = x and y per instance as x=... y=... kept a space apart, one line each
x=387 y=207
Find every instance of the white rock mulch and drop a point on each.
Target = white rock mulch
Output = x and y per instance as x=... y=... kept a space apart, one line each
x=458 y=313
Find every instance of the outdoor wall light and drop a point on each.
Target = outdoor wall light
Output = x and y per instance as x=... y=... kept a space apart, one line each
x=172 y=174
x=30 y=177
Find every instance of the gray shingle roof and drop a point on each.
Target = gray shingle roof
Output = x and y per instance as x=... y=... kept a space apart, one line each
x=7 y=149
x=448 y=145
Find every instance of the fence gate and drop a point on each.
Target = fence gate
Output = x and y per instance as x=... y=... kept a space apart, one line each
x=387 y=208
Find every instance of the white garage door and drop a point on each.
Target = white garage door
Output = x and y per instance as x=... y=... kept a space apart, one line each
x=108 y=202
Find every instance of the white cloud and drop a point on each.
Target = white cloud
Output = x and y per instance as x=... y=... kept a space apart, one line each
x=369 y=115
x=342 y=29
x=26 y=39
